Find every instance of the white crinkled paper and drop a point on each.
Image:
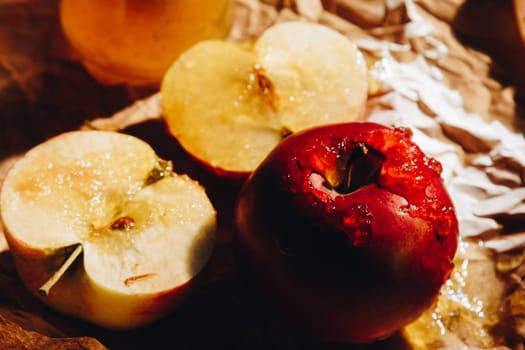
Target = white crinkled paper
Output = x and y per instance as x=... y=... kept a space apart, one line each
x=483 y=162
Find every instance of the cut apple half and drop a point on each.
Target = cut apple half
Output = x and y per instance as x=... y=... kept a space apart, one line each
x=141 y=232
x=229 y=104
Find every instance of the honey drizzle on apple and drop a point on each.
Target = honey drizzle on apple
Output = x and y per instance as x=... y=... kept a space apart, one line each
x=414 y=177
x=357 y=224
x=408 y=172
x=393 y=162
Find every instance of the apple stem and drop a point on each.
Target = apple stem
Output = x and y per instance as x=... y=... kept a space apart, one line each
x=46 y=287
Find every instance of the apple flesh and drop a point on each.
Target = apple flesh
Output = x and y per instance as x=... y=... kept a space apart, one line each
x=346 y=232
x=228 y=104
x=144 y=232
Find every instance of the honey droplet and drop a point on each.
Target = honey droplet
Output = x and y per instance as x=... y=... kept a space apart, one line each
x=508 y=262
x=357 y=225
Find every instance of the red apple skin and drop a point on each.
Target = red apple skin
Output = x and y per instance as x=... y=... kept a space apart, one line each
x=351 y=268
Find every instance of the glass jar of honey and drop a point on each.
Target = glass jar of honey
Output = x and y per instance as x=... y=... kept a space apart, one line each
x=134 y=42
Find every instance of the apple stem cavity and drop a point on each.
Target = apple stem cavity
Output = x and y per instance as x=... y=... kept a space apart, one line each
x=46 y=287
x=362 y=168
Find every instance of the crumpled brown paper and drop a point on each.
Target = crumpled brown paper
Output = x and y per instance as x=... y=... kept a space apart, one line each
x=15 y=338
x=454 y=94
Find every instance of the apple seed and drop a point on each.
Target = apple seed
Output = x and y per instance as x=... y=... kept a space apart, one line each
x=124 y=223
x=265 y=86
x=128 y=281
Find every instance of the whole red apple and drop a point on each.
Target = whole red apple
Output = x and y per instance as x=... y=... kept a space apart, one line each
x=346 y=232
